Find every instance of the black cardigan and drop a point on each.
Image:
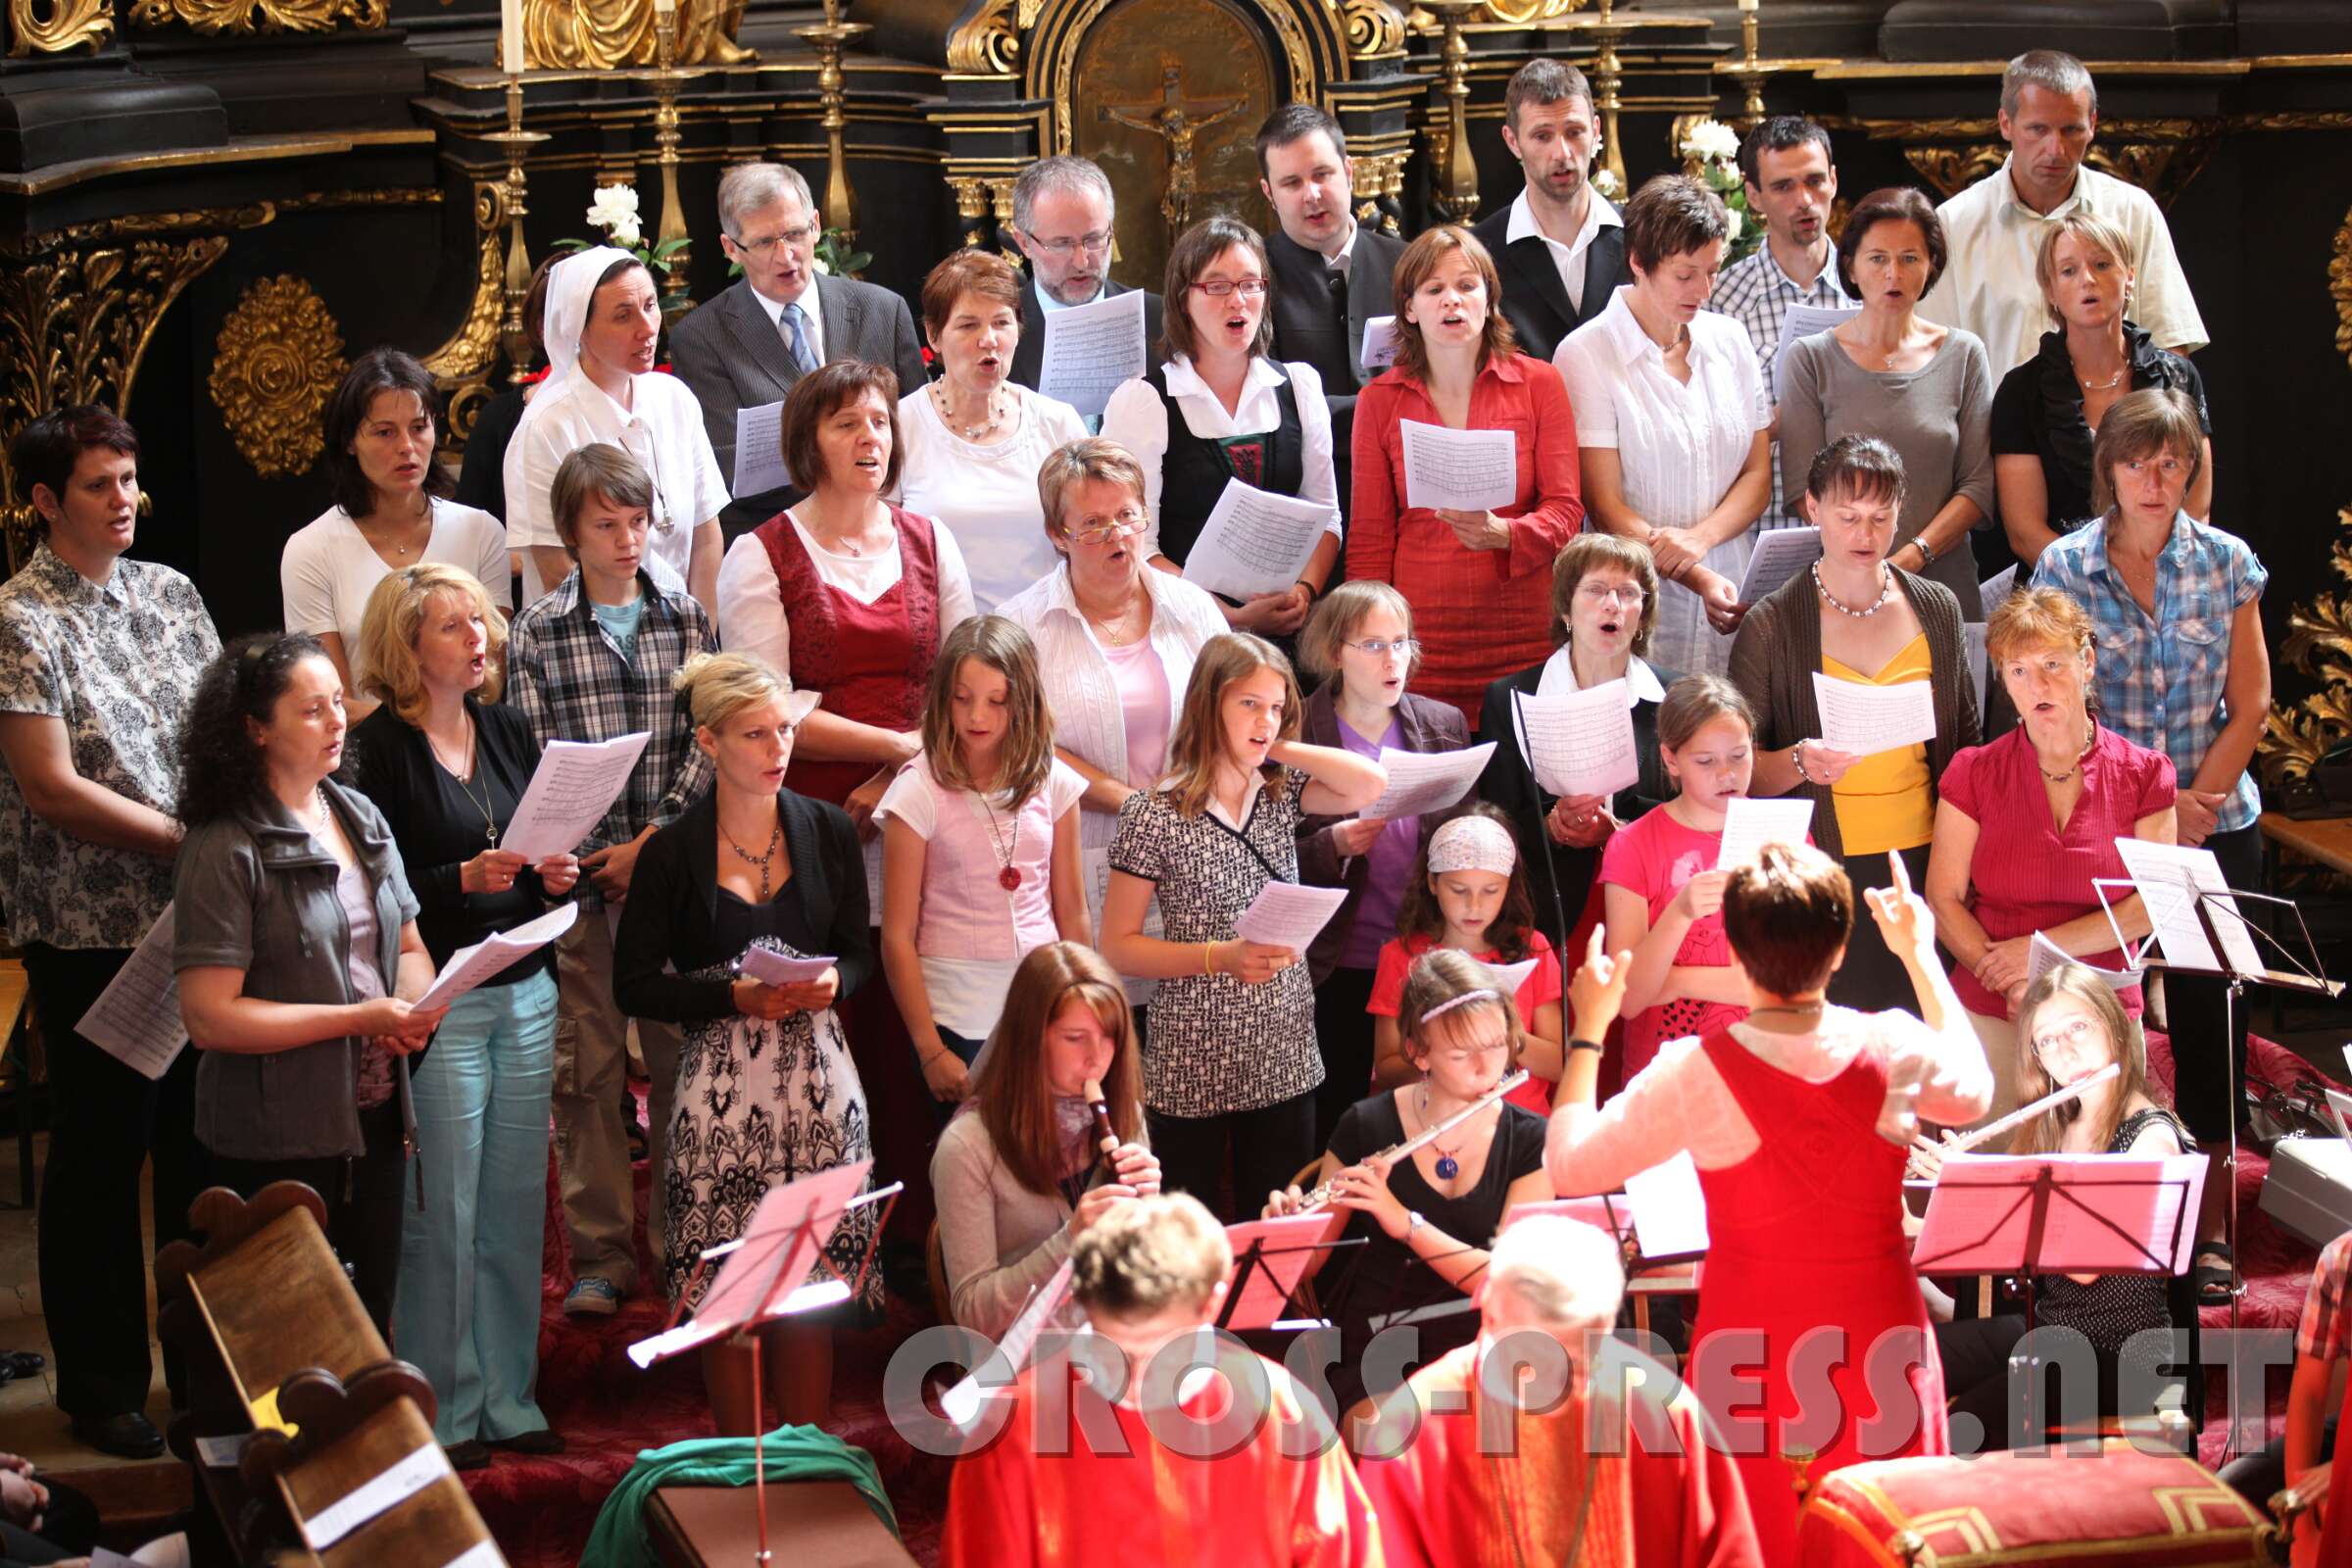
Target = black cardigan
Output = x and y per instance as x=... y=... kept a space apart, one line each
x=672 y=909
x=1511 y=784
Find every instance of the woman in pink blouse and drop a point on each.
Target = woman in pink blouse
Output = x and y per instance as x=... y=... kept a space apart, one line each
x=1478 y=582
x=2023 y=825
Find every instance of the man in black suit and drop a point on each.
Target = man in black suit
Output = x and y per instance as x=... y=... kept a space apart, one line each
x=747 y=345
x=1560 y=245
x=1330 y=273
x=1062 y=218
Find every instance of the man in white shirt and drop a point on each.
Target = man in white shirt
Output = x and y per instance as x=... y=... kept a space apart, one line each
x=1560 y=245
x=1063 y=216
x=1790 y=186
x=1992 y=230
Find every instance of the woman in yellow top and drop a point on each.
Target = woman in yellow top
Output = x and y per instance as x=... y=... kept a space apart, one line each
x=1856 y=618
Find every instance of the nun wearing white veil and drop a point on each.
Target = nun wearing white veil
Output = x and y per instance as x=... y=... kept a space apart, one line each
x=603 y=327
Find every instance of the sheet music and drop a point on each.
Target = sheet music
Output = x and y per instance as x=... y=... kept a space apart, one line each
x=1379 y=343
x=1464 y=470
x=571 y=788
x=1995 y=588
x=1289 y=915
x=1090 y=349
x=1802 y=320
x=1580 y=743
x=1868 y=719
x=1779 y=555
x=1979 y=660
x=1978 y=1221
x=1283 y=1257
x=1749 y=824
x=468 y=967
x=1669 y=1209
x=962 y=1404
x=1422 y=782
x=758 y=1276
x=136 y=1018
x=772 y=968
x=407 y=1477
x=1256 y=542
x=2042 y=956
x=2339 y=1111
x=1514 y=976
x=760 y=450
x=2169 y=877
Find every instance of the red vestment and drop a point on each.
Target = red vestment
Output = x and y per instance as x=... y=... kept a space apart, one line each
x=1011 y=1506
x=1629 y=1501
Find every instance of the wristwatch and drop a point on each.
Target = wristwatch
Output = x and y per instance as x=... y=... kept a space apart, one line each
x=1412 y=1222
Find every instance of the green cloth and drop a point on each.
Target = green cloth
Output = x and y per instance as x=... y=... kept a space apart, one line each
x=793 y=1453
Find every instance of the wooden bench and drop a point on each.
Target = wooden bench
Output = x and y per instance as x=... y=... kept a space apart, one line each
x=821 y=1524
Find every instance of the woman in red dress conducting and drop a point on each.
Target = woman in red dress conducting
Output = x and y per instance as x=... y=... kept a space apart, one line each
x=1797 y=1118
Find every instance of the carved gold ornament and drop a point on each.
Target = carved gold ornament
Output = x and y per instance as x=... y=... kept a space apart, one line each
x=2318 y=631
x=990 y=43
x=1375 y=28
x=260 y=15
x=276 y=360
x=1521 y=13
x=602 y=34
x=71 y=23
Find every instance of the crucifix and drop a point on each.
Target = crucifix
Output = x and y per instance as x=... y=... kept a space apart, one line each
x=1171 y=118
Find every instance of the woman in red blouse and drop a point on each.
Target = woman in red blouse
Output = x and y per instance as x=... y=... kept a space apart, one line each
x=1478 y=582
x=2024 y=822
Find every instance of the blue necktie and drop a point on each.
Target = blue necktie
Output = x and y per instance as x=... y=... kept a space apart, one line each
x=798 y=339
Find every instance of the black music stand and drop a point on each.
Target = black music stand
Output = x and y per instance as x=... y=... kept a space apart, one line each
x=1270 y=1258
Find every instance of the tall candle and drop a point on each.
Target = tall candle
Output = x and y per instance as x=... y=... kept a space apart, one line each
x=509 y=36
x=1747 y=5
x=663 y=8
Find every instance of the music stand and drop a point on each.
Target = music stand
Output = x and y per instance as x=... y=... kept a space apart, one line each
x=1612 y=1213
x=1269 y=1259
x=760 y=1281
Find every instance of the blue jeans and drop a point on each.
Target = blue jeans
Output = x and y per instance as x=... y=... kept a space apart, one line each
x=467 y=1310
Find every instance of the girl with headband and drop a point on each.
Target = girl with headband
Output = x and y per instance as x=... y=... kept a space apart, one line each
x=1469 y=894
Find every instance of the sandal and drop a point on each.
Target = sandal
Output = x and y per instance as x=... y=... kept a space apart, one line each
x=2215 y=1280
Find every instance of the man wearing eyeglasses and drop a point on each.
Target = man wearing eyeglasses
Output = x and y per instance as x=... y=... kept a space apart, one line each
x=1063 y=214
x=747 y=345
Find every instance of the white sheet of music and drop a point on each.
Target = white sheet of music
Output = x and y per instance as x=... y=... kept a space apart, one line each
x=1255 y=542
x=1995 y=588
x=1289 y=915
x=571 y=788
x=1802 y=320
x=2169 y=877
x=468 y=967
x=136 y=1018
x=377 y=1495
x=772 y=968
x=1669 y=1209
x=1748 y=824
x=1090 y=349
x=1979 y=660
x=760 y=450
x=1514 y=976
x=1463 y=470
x=1421 y=782
x=2042 y=956
x=1379 y=343
x=1869 y=719
x=1581 y=743
x=1779 y=555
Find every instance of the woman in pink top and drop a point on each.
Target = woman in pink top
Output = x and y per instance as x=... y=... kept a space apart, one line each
x=2023 y=825
x=1797 y=1118
x=979 y=849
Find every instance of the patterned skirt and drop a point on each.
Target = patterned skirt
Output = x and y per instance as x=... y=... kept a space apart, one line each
x=760 y=1104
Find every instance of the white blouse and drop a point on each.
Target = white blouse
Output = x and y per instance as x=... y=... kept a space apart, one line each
x=751 y=609
x=329 y=568
x=1680 y=446
x=1137 y=420
x=987 y=493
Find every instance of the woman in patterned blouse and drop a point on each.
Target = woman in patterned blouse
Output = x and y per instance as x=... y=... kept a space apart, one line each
x=1230 y=1066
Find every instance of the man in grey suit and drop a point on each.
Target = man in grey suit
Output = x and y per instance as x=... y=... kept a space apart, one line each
x=1062 y=217
x=746 y=347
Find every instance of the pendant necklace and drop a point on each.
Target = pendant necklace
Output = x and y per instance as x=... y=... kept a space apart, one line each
x=466 y=787
x=1008 y=875
x=775 y=836
x=2090 y=738
x=1448 y=1167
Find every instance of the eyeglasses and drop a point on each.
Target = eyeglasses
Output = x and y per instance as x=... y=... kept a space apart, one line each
x=1126 y=523
x=2069 y=1034
x=1405 y=647
x=1248 y=288
x=1072 y=244
x=1629 y=598
x=796 y=238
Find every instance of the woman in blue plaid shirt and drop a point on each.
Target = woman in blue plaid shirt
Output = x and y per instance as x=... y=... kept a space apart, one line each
x=2184 y=670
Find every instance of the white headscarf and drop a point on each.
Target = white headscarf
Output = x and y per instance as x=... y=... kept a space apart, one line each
x=570 y=287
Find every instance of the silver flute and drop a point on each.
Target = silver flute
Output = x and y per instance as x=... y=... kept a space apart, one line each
x=1321 y=1196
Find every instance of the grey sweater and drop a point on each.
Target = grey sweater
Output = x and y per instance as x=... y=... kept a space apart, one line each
x=1939 y=419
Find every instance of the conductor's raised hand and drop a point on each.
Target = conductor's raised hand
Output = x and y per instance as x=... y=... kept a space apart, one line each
x=1596 y=992
x=1903 y=916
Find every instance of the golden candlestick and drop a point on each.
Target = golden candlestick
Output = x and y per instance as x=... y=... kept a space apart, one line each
x=671 y=241
x=1456 y=192
x=1608 y=76
x=509 y=197
x=1748 y=71
x=829 y=38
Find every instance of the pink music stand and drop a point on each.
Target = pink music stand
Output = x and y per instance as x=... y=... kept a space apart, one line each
x=1269 y=1259
x=759 y=1281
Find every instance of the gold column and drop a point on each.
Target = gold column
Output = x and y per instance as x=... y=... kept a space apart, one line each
x=671 y=242
x=519 y=257
x=829 y=38
x=1456 y=192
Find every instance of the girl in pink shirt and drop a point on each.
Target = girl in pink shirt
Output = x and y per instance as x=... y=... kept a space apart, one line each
x=1663 y=895
x=979 y=849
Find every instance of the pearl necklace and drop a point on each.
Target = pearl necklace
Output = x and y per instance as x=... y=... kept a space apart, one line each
x=2107 y=385
x=2090 y=738
x=991 y=417
x=1885 y=592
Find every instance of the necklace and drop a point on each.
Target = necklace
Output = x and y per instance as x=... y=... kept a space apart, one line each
x=1113 y=627
x=775 y=836
x=466 y=784
x=1008 y=875
x=1797 y=1008
x=989 y=418
x=2090 y=738
x=1448 y=1167
x=404 y=552
x=2108 y=386
x=1885 y=592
